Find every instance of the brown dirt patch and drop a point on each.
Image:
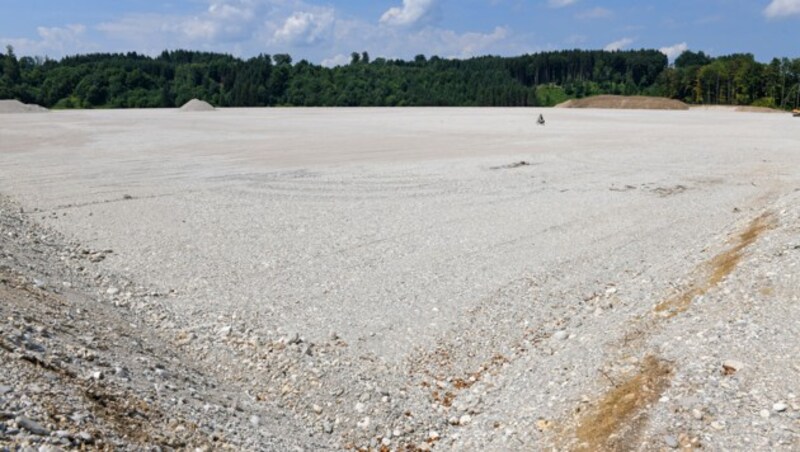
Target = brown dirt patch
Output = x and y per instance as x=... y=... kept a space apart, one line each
x=625 y=102
x=617 y=420
x=718 y=268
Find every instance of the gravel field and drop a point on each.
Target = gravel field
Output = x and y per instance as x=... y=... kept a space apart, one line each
x=401 y=279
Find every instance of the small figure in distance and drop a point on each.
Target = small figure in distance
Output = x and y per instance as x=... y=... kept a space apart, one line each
x=540 y=121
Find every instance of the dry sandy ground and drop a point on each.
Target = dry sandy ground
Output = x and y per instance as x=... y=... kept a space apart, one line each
x=489 y=279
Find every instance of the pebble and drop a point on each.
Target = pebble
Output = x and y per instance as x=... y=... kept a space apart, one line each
x=255 y=420
x=225 y=331
x=32 y=426
x=465 y=420
x=5 y=389
x=779 y=407
x=561 y=335
x=295 y=339
x=764 y=414
x=85 y=437
x=364 y=423
x=327 y=427
x=717 y=425
x=49 y=448
x=316 y=408
x=732 y=365
x=671 y=442
x=121 y=372
x=112 y=291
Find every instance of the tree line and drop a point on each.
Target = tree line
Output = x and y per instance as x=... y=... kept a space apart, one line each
x=133 y=80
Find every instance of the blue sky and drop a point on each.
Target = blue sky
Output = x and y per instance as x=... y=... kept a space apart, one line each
x=328 y=31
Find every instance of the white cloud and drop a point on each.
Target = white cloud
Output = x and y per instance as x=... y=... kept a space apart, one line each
x=618 y=44
x=196 y=29
x=444 y=43
x=782 y=8
x=595 y=13
x=52 y=41
x=560 y=3
x=470 y=44
x=144 y=30
x=223 y=21
x=411 y=13
x=674 y=51
x=305 y=28
x=299 y=27
x=336 y=60
x=227 y=10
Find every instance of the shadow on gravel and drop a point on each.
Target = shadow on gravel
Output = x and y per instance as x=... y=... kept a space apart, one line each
x=514 y=165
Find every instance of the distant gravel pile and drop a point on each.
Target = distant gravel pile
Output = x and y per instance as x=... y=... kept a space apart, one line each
x=625 y=103
x=15 y=106
x=197 y=105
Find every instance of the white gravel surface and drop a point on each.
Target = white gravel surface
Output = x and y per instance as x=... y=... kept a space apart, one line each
x=448 y=278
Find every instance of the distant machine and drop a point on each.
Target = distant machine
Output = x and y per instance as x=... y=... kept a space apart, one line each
x=540 y=121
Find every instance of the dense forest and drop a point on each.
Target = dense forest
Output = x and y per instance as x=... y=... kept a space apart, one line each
x=543 y=79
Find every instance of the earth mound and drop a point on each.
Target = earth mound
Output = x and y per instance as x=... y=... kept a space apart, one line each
x=625 y=102
x=750 y=109
x=197 y=105
x=15 y=106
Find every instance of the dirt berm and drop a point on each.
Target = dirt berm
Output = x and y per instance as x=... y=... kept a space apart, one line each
x=625 y=102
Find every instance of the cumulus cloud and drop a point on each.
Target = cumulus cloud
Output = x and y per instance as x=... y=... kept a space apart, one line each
x=299 y=27
x=336 y=60
x=228 y=10
x=619 y=44
x=674 y=51
x=52 y=41
x=143 y=28
x=305 y=28
x=411 y=13
x=223 y=21
x=443 y=42
x=560 y=3
x=782 y=8
x=465 y=45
